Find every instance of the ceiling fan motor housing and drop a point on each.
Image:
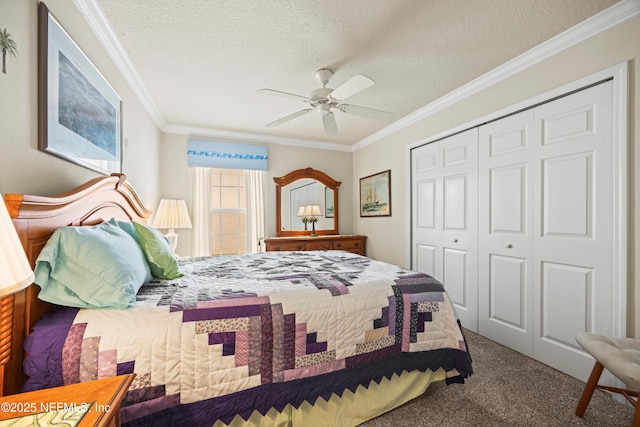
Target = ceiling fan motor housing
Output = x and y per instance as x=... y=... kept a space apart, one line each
x=320 y=96
x=323 y=75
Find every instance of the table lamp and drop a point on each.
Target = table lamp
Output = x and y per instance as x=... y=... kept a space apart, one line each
x=172 y=214
x=312 y=212
x=15 y=275
x=300 y=214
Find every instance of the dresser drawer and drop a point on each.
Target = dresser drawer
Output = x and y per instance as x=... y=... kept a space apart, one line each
x=355 y=246
x=286 y=246
x=323 y=245
x=348 y=244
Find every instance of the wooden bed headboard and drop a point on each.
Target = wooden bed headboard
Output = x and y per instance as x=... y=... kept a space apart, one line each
x=35 y=219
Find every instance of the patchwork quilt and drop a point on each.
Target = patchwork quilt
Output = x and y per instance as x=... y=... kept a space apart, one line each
x=252 y=332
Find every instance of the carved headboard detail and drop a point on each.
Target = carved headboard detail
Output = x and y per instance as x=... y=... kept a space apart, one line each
x=35 y=219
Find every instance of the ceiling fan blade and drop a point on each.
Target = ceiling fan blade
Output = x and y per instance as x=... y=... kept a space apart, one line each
x=284 y=94
x=366 y=112
x=329 y=122
x=352 y=86
x=289 y=117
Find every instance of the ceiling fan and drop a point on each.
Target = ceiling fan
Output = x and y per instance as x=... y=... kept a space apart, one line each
x=325 y=99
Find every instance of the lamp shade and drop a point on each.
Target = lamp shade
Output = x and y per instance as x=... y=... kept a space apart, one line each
x=313 y=210
x=172 y=214
x=15 y=271
x=300 y=211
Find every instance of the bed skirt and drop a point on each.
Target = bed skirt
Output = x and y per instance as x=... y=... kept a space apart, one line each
x=350 y=409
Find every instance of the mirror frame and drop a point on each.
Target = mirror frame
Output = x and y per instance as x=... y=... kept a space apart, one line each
x=300 y=174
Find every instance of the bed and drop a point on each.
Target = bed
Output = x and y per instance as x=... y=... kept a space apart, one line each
x=276 y=338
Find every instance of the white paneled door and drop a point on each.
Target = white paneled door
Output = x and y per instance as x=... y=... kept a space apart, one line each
x=506 y=215
x=574 y=197
x=546 y=228
x=445 y=218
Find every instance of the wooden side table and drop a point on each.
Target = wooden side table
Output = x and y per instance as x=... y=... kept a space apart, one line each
x=99 y=400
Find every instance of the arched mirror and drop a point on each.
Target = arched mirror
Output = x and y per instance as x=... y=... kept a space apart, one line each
x=306 y=201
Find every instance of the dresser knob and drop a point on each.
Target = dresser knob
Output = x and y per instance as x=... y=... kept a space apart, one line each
x=299 y=247
x=338 y=245
x=508 y=246
x=455 y=240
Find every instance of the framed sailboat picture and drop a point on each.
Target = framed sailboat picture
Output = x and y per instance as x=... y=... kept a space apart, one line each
x=375 y=194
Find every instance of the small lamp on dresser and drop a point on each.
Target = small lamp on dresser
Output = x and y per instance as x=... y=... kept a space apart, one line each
x=172 y=214
x=312 y=212
x=302 y=216
x=15 y=275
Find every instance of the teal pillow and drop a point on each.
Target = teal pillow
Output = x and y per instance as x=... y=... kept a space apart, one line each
x=91 y=267
x=125 y=225
x=129 y=228
x=161 y=259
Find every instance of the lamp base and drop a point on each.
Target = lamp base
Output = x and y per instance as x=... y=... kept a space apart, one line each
x=172 y=237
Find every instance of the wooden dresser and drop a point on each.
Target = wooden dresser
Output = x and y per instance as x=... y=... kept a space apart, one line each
x=349 y=243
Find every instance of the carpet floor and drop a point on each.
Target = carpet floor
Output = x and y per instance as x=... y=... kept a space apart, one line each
x=506 y=389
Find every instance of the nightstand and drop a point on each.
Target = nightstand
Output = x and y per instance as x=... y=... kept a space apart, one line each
x=97 y=402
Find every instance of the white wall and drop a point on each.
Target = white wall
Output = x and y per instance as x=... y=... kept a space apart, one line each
x=388 y=238
x=25 y=169
x=174 y=178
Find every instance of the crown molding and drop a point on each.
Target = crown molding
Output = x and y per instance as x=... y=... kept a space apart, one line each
x=608 y=18
x=98 y=22
x=253 y=137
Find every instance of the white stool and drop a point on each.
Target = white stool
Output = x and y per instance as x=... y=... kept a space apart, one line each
x=621 y=357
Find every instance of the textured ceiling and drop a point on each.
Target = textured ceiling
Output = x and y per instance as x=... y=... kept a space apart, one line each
x=202 y=61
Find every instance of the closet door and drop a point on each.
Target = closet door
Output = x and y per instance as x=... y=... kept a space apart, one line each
x=426 y=216
x=546 y=219
x=444 y=220
x=574 y=230
x=506 y=212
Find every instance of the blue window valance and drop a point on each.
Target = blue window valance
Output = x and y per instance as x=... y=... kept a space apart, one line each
x=226 y=155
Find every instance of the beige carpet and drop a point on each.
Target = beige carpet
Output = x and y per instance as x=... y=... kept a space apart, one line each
x=506 y=389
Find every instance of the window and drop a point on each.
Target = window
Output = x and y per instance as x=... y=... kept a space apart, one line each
x=228 y=212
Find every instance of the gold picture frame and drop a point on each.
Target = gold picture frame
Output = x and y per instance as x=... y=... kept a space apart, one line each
x=375 y=194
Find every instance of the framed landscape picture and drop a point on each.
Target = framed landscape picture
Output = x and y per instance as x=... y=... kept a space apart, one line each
x=79 y=113
x=375 y=194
